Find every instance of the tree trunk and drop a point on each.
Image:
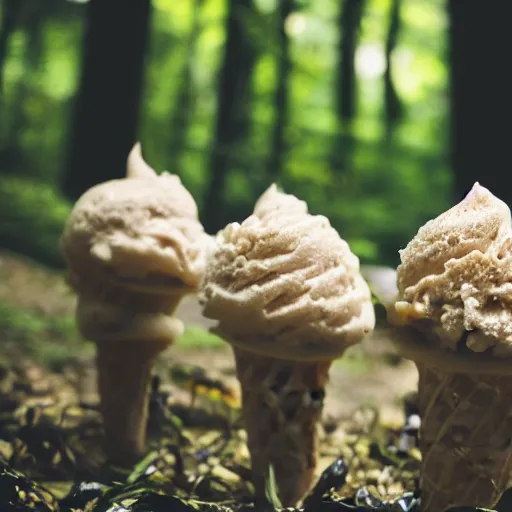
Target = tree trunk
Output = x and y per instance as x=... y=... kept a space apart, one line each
x=345 y=98
x=107 y=105
x=10 y=11
x=480 y=90
x=12 y=156
x=349 y=23
x=232 y=123
x=185 y=96
x=281 y=106
x=393 y=110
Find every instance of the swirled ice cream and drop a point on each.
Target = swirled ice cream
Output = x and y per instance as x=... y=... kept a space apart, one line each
x=142 y=231
x=274 y=199
x=283 y=283
x=134 y=247
x=456 y=275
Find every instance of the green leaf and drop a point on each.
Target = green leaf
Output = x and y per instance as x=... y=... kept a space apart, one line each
x=271 y=490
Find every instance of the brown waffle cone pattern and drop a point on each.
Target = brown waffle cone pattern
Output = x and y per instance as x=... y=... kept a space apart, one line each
x=466 y=438
x=282 y=405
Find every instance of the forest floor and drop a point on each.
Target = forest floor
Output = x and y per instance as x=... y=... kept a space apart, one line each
x=45 y=368
x=370 y=373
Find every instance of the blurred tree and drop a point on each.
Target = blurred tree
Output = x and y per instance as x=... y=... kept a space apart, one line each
x=107 y=105
x=345 y=99
x=10 y=12
x=184 y=103
x=31 y=19
x=480 y=90
x=281 y=99
x=392 y=104
x=349 y=22
x=233 y=106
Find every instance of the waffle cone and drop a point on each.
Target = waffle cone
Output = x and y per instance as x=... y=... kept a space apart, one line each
x=282 y=405
x=124 y=377
x=130 y=330
x=465 y=438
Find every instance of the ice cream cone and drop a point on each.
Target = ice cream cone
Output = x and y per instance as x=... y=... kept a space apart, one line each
x=134 y=248
x=453 y=319
x=124 y=375
x=129 y=336
x=288 y=296
x=282 y=405
x=465 y=438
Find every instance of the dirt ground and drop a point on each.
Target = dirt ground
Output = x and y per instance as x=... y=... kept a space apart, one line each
x=371 y=374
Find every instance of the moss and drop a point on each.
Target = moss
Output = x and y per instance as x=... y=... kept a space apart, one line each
x=54 y=341
x=356 y=361
x=46 y=340
x=33 y=216
x=196 y=337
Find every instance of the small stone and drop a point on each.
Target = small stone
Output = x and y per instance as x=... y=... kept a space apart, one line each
x=362 y=449
x=373 y=476
x=395 y=490
x=351 y=439
x=385 y=476
x=346 y=453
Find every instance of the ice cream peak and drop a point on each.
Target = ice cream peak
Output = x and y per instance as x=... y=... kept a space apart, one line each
x=478 y=222
x=456 y=274
x=284 y=284
x=137 y=167
x=141 y=231
x=274 y=199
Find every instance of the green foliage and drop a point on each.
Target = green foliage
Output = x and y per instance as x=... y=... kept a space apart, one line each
x=54 y=340
x=32 y=217
x=271 y=490
x=46 y=339
x=375 y=185
x=196 y=337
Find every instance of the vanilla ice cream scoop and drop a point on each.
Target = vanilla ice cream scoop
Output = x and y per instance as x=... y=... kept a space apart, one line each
x=288 y=296
x=142 y=230
x=286 y=284
x=134 y=247
x=457 y=273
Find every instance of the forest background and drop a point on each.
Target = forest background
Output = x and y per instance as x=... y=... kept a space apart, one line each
x=379 y=113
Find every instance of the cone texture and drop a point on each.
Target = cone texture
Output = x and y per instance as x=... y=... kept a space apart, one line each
x=465 y=438
x=124 y=377
x=282 y=405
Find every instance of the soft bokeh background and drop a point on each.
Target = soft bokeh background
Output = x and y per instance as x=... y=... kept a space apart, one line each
x=345 y=104
x=379 y=113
